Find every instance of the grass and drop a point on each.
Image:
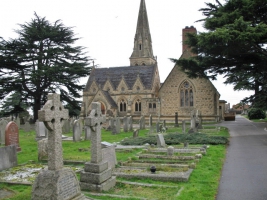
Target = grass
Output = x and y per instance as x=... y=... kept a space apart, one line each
x=202 y=184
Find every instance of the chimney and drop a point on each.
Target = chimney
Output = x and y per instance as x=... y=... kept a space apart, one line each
x=186 y=30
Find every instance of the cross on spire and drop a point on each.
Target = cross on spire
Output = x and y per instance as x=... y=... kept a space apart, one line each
x=53 y=114
x=94 y=121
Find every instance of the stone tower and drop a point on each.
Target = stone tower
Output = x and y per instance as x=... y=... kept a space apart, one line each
x=142 y=52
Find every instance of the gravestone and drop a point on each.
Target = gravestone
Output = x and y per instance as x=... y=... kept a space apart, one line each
x=151 y=129
x=3 y=124
x=41 y=130
x=56 y=182
x=72 y=121
x=76 y=131
x=27 y=127
x=125 y=124
x=150 y=120
x=176 y=120
x=17 y=121
x=110 y=123
x=160 y=140
x=199 y=120
x=96 y=176
x=142 y=123
x=184 y=126
x=157 y=127
x=109 y=154
x=118 y=125
x=42 y=149
x=130 y=122
x=136 y=133
x=170 y=151
x=164 y=123
x=66 y=126
x=193 y=128
x=87 y=133
x=8 y=157
x=12 y=135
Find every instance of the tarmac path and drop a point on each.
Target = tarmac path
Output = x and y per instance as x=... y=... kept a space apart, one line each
x=244 y=174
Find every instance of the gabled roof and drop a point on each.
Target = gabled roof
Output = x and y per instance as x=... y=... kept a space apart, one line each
x=116 y=74
x=109 y=99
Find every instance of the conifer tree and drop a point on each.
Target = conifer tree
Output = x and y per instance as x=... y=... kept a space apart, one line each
x=234 y=45
x=42 y=60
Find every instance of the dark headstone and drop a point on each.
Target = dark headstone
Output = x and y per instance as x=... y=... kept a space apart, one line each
x=176 y=120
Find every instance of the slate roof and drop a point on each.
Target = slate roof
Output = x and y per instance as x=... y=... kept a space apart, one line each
x=115 y=75
x=109 y=99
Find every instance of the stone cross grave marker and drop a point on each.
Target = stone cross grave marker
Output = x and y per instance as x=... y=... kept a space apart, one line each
x=56 y=182
x=96 y=176
x=53 y=115
x=94 y=121
x=12 y=135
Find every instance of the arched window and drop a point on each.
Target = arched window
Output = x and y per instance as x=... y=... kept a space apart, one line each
x=138 y=106
x=186 y=95
x=103 y=109
x=122 y=106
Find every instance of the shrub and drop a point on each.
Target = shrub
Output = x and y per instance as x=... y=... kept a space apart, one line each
x=256 y=113
x=177 y=138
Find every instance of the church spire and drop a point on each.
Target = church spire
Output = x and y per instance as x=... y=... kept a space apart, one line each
x=142 y=51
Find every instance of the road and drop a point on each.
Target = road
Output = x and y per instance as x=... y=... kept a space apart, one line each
x=244 y=174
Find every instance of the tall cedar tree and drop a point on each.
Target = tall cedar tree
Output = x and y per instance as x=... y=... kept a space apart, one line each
x=42 y=60
x=234 y=45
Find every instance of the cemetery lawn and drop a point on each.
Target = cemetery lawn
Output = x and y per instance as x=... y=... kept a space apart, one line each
x=202 y=185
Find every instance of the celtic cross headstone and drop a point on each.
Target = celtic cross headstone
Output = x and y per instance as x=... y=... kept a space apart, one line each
x=96 y=176
x=53 y=115
x=56 y=182
x=94 y=121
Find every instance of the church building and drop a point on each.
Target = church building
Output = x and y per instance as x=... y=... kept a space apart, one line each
x=136 y=90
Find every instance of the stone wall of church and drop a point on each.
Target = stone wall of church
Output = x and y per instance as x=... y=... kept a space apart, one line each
x=205 y=96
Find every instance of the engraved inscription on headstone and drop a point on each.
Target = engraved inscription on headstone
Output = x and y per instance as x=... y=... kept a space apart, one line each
x=67 y=185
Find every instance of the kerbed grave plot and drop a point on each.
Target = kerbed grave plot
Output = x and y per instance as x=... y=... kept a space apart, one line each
x=175 y=165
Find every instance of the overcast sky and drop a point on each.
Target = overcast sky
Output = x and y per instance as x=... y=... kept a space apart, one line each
x=107 y=29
